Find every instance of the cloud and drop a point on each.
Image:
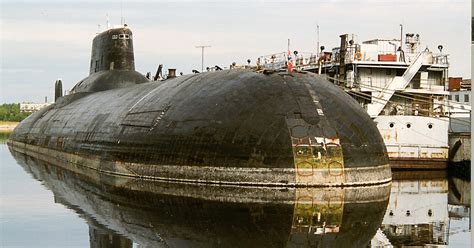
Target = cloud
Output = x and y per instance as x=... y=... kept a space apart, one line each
x=43 y=31
x=57 y=38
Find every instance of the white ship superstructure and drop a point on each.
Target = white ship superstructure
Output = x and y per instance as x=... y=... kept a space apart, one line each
x=402 y=86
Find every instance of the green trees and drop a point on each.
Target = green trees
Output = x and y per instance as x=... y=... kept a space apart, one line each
x=11 y=112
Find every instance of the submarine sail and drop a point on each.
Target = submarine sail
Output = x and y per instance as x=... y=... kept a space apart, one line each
x=112 y=50
x=112 y=63
x=238 y=127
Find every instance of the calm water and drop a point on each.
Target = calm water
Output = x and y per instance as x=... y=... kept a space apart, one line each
x=45 y=206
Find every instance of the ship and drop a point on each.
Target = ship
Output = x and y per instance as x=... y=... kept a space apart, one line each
x=227 y=127
x=401 y=85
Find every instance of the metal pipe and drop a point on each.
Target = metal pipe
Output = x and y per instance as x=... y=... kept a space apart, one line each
x=202 y=55
x=401 y=37
x=317 y=48
x=171 y=73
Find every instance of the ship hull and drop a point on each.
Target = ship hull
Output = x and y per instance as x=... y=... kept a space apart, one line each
x=415 y=142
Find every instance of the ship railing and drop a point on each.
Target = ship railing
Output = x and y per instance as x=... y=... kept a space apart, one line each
x=440 y=59
x=273 y=61
x=306 y=58
x=399 y=150
x=428 y=107
x=280 y=60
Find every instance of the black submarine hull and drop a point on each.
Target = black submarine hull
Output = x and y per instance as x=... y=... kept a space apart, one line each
x=225 y=127
x=237 y=127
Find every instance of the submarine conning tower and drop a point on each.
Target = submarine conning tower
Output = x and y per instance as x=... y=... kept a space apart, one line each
x=112 y=62
x=112 y=50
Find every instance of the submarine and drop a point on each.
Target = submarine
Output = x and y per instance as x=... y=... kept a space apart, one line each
x=229 y=127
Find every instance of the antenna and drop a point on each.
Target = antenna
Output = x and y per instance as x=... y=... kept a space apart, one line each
x=202 y=55
x=288 y=46
x=401 y=37
x=108 y=22
x=121 y=12
x=317 y=33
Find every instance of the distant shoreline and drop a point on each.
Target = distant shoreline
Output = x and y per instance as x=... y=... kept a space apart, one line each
x=7 y=126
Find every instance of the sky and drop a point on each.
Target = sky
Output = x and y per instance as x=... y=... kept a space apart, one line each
x=42 y=41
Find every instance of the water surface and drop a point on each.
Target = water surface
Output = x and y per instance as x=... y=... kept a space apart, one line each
x=46 y=206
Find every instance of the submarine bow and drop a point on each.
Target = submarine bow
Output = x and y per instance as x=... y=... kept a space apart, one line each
x=226 y=127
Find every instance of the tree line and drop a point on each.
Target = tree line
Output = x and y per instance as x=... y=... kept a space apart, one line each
x=11 y=112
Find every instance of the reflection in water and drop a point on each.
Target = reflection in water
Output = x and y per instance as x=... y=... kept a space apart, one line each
x=4 y=136
x=421 y=207
x=122 y=211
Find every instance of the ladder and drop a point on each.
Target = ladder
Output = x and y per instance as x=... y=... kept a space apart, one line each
x=398 y=83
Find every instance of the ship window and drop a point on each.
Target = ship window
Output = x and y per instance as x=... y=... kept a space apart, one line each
x=127 y=37
x=391 y=125
x=408 y=125
x=430 y=125
x=456 y=97
x=114 y=37
x=466 y=98
x=450 y=97
x=121 y=36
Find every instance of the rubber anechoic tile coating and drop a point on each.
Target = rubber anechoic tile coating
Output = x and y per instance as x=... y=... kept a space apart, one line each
x=290 y=128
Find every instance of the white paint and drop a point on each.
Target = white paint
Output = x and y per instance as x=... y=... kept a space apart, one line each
x=417 y=141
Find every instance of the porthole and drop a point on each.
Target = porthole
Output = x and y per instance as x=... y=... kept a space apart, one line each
x=430 y=125
x=408 y=125
x=391 y=125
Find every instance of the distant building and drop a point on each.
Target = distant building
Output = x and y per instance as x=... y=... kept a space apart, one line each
x=459 y=98
x=32 y=107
